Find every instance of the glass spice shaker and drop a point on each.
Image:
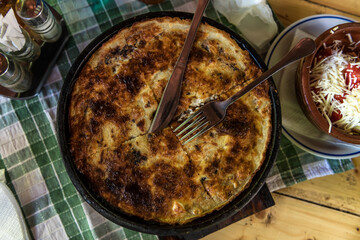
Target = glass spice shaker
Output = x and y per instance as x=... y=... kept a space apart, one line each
x=39 y=18
x=13 y=75
x=28 y=53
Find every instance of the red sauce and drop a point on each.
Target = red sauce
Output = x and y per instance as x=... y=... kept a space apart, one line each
x=340 y=98
x=352 y=76
x=335 y=116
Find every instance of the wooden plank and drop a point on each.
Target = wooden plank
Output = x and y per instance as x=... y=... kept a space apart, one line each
x=340 y=191
x=293 y=219
x=348 y=6
x=298 y=9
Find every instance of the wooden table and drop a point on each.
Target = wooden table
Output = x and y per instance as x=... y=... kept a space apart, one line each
x=324 y=208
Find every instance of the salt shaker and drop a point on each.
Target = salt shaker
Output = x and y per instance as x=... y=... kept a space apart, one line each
x=29 y=52
x=13 y=75
x=39 y=18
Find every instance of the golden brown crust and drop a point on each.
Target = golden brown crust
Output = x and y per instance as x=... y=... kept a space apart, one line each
x=153 y=176
x=230 y=153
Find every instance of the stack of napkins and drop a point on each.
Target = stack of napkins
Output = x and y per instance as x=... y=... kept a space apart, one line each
x=253 y=18
x=11 y=36
x=12 y=224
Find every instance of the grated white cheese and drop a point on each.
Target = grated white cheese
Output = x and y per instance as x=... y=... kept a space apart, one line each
x=348 y=35
x=327 y=76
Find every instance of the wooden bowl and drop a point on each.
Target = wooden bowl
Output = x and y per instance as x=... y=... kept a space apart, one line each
x=302 y=82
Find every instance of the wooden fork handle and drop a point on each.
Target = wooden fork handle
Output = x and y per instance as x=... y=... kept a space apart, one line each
x=171 y=95
x=303 y=48
x=182 y=60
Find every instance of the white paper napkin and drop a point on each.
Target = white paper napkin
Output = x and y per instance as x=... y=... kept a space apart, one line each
x=11 y=37
x=12 y=225
x=253 y=18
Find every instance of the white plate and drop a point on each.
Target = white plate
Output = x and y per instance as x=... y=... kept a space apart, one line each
x=295 y=125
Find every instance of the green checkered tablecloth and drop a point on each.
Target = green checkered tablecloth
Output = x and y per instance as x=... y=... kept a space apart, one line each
x=29 y=150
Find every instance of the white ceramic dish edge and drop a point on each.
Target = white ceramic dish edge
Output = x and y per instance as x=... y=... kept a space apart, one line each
x=346 y=151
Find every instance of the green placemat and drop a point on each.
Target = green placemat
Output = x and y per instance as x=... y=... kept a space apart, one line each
x=29 y=150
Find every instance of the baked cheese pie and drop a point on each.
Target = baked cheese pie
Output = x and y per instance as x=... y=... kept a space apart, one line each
x=154 y=176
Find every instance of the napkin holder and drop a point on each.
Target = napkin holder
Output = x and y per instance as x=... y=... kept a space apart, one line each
x=42 y=67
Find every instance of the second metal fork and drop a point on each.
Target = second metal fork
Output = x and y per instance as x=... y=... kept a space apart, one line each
x=214 y=112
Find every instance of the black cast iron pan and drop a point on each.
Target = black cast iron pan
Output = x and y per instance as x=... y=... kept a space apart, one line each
x=199 y=226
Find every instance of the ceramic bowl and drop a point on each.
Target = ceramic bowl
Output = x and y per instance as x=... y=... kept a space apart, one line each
x=341 y=33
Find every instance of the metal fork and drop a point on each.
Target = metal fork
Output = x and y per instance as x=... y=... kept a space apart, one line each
x=214 y=112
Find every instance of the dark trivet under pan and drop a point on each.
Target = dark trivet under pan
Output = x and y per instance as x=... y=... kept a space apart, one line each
x=260 y=202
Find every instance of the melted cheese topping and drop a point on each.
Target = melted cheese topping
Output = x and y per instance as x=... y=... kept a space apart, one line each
x=153 y=176
x=328 y=80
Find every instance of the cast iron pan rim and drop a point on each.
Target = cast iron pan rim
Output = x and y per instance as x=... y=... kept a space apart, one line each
x=200 y=225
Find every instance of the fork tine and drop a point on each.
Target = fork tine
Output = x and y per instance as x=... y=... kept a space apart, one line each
x=198 y=126
x=196 y=122
x=198 y=134
x=187 y=120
